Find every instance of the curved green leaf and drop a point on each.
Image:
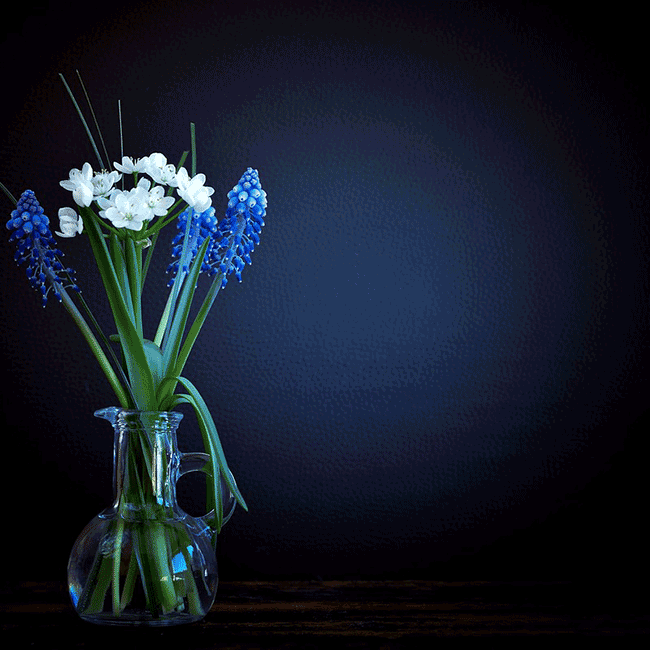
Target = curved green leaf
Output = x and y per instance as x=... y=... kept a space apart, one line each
x=212 y=445
x=155 y=360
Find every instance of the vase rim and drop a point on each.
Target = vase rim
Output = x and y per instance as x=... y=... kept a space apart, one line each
x=112 y=412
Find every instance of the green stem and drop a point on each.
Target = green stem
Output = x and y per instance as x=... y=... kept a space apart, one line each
x=152 y=246
x=83 y=121
x=193 y=598
x=176 y=287
x=92 y=112
x=140 y=376
x=124 y=400
x=8 y=193
x=129 y=582
x=193 y=146
x=192 y=335
x=175 y=331
x=91 y=600
x=117 y=558
x=95 y=348
x=159 y=225
x=133 y=263
x=122 y=274
x=108 y=346
x=162 y=326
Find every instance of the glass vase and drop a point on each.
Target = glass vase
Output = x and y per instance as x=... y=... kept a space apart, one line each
x=144 y=561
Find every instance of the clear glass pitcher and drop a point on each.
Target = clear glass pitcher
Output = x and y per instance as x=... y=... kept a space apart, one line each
x=144 y=561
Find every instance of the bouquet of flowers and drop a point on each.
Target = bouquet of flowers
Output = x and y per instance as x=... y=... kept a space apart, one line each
x=122 y=226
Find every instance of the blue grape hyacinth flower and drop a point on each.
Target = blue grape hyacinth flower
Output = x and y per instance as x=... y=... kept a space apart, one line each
x=231 y=241
x=242 y=225
x=37 y=247
x=202 y=225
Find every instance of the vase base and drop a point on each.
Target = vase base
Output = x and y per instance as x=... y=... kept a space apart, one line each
x=133 y=620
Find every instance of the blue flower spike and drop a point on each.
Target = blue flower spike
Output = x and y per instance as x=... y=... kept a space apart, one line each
x=37 y=247
x=233 y=240
x=242 y=224
x=202 y=225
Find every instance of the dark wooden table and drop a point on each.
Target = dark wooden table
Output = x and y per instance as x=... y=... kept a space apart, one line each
x=339 y=614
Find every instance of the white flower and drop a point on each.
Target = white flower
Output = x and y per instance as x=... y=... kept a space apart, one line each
x=103 y=183
x=71 y=224
x=107 y=202
x=126 y=209
x=80 y=184
x=168 y=176
x=160 y=171
x=128 y=166
x=144 y=183
x=165 y=176
x=158 y=202
x=203 y=200
x=182 y=178
x=193 y=191
x=156 y=162
x=155 y=200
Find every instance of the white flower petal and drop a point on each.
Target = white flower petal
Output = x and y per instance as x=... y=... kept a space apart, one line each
x=71 y=224
x=167 y=175
x=87 y=172
x=103 y=183
x=128 y=166
x=144 y=183
x=83 y=195
x=182 y=179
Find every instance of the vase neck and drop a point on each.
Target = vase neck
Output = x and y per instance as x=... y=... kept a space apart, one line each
x=145 y=461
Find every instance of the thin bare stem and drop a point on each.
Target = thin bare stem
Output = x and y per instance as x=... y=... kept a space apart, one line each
x=9 y=194
x=193 y=146
x=83 y=121
x=90 y=106
x=119 y=113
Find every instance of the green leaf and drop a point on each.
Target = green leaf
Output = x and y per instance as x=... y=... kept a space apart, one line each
x=173 y=342
x=155 y=360
x=213 y=447
x=139 y=372
x=193 y=332
x=197 y=324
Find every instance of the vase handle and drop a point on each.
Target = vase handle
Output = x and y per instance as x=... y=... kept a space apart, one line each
x=197 y=461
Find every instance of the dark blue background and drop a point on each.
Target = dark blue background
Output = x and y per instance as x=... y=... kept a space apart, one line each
x=437 y=364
